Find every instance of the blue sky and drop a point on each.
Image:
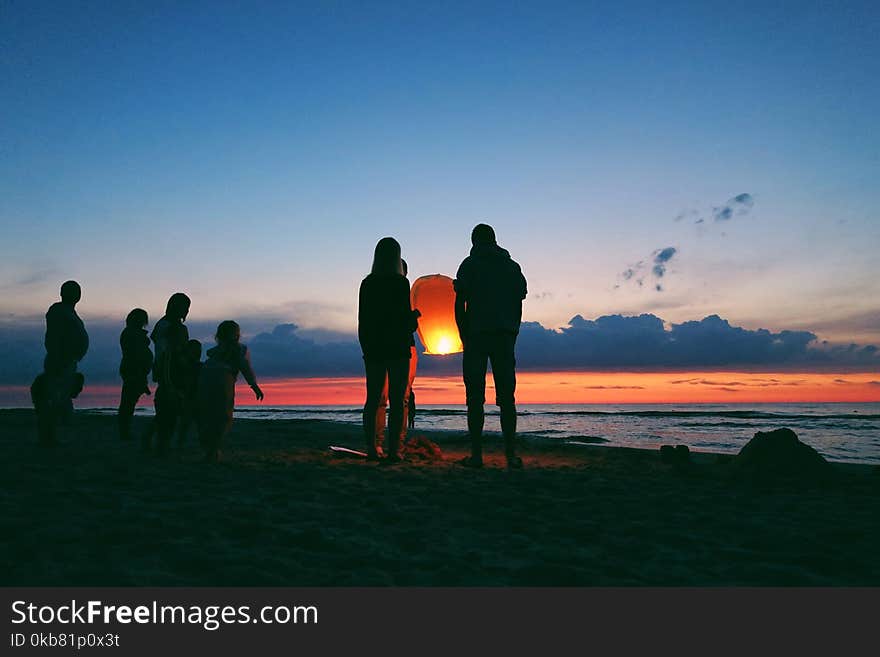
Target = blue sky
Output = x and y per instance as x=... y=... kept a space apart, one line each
x=253 y=155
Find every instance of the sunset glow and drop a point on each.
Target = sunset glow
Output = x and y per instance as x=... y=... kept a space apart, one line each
x=552 y=388
x=603 y=388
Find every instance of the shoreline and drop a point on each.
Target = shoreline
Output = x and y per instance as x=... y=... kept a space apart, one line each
x=646 y=426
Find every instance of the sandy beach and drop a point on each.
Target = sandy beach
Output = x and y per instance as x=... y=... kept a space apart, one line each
x=284 y=510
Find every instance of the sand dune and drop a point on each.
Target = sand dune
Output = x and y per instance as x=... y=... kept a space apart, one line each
x=282 y=510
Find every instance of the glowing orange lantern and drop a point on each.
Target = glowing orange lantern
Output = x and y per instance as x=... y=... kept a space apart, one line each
x=434 y=297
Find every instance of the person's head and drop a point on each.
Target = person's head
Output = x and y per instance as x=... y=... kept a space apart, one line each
x=403 y=268
x=482 y=234
x=386 y=258
x=178 y=306
x=137 y=318
x=71 y=292
x=228 y=332
x=194 y=350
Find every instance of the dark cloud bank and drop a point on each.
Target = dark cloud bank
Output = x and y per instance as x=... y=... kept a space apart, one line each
x=612 y=342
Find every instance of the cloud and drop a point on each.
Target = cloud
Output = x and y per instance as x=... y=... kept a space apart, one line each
x=740 y=204
x=660 y=258
x=643 y=342
x=283 y=351
x=610 y=342
x=32 y=278
x=751 y=383
x=613 y=387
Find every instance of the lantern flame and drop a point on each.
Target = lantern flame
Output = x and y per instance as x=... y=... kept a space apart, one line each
x=444 y=345
x=434 y=297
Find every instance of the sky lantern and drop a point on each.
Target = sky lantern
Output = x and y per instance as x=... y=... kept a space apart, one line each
x=434 y=297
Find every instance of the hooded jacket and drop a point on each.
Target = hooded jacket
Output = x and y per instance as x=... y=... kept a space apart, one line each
x=137 y=359
x=493 y=287
x=169 y=337
x=66 y=339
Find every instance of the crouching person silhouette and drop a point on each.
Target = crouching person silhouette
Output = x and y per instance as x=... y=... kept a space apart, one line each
x=66 y=343
x=215 y=392
x=489 y=290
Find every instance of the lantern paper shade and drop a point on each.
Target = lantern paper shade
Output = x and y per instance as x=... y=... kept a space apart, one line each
x=434 y=297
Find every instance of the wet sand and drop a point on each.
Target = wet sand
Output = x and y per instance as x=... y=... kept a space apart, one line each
x=281 y=509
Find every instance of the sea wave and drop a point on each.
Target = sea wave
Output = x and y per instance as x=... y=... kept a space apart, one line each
x=746 y=415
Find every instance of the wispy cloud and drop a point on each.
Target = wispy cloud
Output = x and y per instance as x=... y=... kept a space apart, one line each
x=739 y=205
x=613 y=387
x=637 y=272
x=36 y=276
x=736 y=206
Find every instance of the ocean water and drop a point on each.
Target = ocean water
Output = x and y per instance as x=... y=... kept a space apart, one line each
x=839 y=431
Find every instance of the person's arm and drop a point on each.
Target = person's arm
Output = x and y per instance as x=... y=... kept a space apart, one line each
x=80 y=338
x=460 y=285
x=461 y=316
x=247 y=371
x=53 y=339
x=411 y=316
x=363 y=314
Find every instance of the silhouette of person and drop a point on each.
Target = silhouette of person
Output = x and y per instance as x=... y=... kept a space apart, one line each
x=66 y=343
x=137 y=361
x=189 y=384
x=170 y=337
x=386 y=322
x=489 y=290
x=411 y=408
x=407 y=393
x=216 y=387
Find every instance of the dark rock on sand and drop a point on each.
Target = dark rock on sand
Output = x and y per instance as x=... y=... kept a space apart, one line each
x=781 y=453
x=683 y=453
x=675 y=455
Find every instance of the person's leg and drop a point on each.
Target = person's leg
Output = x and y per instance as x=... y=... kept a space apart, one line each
x=220 y=438
x=56 y=401
x=127 y=402
x=46 y=425
x=376 y=371
x=149 y=432
x=167 y=413
x=186 y=420
x=411 y=375
x=210 y=433
x=474 y=363
x=380 y=417
x=398 y=374
x=502 y=356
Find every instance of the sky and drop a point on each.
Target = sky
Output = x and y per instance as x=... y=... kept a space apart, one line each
x=678 y=161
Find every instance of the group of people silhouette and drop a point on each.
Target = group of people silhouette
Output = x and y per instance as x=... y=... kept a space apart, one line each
x=489 y=290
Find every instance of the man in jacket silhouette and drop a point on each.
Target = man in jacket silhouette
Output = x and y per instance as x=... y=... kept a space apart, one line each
x=489 y=291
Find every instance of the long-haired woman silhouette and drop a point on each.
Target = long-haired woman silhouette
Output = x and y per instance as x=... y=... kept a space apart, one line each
x=386 y=322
